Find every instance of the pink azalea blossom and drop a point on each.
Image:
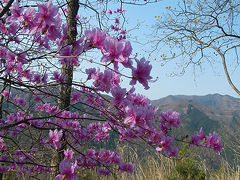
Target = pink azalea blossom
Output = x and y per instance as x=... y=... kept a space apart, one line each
x=90 y=72
x=46 y=13
x=19 y=101
x=165 y=144
x=112 y=49
x=53 y=32
x=67 y=170
x=55 y=137
x=6 y=93
x=16 y=13
x=29 y=19
x=76 y=97
x=68 y=153
x=142 y=73
x=117 y=21
x=13 y=27
x=118 y=94
x=96 y=38
x=171 y=118
x=214 y=142
x=197 y=138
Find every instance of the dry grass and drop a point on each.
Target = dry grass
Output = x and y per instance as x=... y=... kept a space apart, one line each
x=150 y=167
x=158 y=167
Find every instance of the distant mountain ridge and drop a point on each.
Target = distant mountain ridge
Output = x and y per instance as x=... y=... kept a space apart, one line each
x=215 y=100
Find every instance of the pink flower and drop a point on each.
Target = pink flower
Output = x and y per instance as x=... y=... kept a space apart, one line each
x=104 y=157
x=16 y=12
x=142 y=73
x=55 y=137
x=68 y=153
x=165 y=144
x=104 y=81
x=118 y=94
x=6 y=93
x=76 y=97
x=123 y=32
x=112 y=49
x=171 y=118
x=117 y=21
x=29 y=16
x=214 y=142
x=127 y=50
x=197 y=138
x=46 y=13
x=13 y=27
x=53 y=32
x=36 y=78
x=90 y=72
x=115 y=158
x=19 y=101
x=67 y=170
x=4 y=157
x=96 y=38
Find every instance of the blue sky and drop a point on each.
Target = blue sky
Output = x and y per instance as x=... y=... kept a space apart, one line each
x=207 y=80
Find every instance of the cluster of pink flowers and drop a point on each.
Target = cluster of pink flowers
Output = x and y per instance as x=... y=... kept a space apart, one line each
x=110 y=11
x=210 y=141
x=127 y=113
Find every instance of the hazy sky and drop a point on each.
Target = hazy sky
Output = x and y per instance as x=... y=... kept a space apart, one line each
x=208 y=80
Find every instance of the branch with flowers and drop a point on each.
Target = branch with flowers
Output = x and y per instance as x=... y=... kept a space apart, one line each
x=33 y=48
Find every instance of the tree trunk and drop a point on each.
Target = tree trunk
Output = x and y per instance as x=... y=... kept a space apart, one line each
x=65 y=88
x=1 y=113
